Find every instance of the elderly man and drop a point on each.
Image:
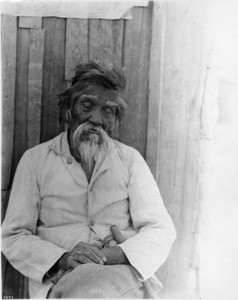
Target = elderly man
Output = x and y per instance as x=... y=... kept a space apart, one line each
x=85 y=217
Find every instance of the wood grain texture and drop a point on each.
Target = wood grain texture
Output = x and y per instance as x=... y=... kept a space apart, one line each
x=136 y=55
x=155 y=86
x=3 y=269
x=35 y=86
x=9 y=42
x=21 y=98
x=106 y=45
x=15 y=284
x=53 y=76
x=177 y=74
x=76 y=45
x=4 y=202
x=30 y=22
x=105 y=41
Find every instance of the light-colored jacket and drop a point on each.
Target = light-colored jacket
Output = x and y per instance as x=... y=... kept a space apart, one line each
x=52 y=207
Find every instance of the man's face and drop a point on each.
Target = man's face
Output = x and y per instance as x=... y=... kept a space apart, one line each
x=97 y=106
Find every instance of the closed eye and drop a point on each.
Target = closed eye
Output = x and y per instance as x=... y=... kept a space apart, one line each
x=108 y=110
x=87 y=104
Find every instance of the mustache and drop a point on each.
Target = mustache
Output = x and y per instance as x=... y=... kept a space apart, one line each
x=88 y=132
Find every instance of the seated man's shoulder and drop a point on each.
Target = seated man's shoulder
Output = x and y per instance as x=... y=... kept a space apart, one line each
x=127 y=153
x=41 y=150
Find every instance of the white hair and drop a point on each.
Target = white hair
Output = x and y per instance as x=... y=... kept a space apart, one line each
x=89 y=143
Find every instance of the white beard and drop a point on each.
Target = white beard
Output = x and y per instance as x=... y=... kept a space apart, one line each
x=88 y=144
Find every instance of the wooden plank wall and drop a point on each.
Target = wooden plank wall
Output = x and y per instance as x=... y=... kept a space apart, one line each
x=161 y=50
x=180 y=57
x=53 y=76
x=9 y=38
x=9 y=52
x=136 y=59
x=40 y=55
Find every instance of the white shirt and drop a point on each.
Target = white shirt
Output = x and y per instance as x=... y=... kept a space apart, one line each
x=52 y=207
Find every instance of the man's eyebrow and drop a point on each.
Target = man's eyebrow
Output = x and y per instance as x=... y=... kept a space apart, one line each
x=111 y=103
x=88 y=96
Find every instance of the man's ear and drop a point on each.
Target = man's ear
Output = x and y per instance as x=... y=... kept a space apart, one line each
x=121 y=110
x=64 y=102
x=68 y=116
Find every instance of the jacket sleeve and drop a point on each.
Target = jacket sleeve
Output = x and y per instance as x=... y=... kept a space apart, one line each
x=149 y=248
x=26 y=252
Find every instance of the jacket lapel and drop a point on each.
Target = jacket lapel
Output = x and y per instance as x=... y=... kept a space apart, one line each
x=61 y=147
x=103 y=163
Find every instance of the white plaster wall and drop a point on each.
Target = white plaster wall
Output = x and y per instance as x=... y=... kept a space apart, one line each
x=219 y=253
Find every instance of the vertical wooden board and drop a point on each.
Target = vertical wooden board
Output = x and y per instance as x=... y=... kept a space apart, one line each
x=67 y=86
x=3 y=269
x=136 y=55
x=4 y=202
x=14 y=284
x=155 y=85
x=53 y=76
x=105 y=45
x=76 y=45
x=35 y=86
x=172 y=147
x=9 y=39
x=21 y=98
x=105 y=41
x=180 y=72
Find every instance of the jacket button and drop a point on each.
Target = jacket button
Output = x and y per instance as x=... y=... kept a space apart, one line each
x=69 y=160
x=91 y=223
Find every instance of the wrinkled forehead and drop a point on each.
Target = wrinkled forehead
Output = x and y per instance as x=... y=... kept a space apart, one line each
x=99 y=94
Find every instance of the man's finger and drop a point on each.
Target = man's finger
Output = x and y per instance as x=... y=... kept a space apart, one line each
x=80 y=245
x=74 y=263
x=89 y=253
x=97 y=244
x=85 y=260
x=99 y=253
x=112 y=243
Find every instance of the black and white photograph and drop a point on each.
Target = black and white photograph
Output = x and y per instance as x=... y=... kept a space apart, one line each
x=119 y=149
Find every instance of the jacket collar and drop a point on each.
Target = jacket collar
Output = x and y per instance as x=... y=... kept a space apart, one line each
x=61 y=146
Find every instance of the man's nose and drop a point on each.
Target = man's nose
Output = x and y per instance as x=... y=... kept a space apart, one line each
x=96 y=118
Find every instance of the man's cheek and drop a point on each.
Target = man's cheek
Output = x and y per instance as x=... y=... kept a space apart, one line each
x=108 y=126
x=113 y=124
x=80 y=118
x=80 y=121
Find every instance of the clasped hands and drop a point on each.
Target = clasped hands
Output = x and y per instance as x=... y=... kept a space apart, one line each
x=84 y=253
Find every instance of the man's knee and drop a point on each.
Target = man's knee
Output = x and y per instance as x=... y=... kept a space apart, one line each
x=96 y=281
